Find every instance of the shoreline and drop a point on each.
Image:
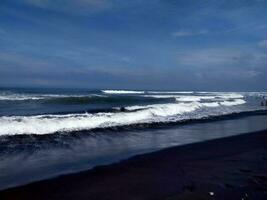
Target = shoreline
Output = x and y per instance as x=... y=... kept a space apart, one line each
x=231 y=167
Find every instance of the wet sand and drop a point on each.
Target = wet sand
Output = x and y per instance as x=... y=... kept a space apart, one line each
x=228 y=168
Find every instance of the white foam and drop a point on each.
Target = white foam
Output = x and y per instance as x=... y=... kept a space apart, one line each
x=211 y=104
x=161 y=96
x=256 y=94
x=167 y=109
x=170 y=92
x=189 y=98
x=180 y=96
x=45 y=124
x=18 y=97
x=131 y=108
x=122 y=92
x=233 y=103
x=194 y=98
x=224 y=95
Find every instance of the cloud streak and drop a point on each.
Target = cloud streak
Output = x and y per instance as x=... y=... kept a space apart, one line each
x=263 y=43
x=71 y=6
x=220 y=63
x=188 y=33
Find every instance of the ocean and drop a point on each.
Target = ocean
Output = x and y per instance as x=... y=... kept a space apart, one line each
x=50 y=132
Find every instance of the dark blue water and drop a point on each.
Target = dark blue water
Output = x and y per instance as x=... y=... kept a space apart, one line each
x=48 y=132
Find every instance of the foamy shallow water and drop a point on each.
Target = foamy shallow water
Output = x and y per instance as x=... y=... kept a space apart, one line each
x=30 y=158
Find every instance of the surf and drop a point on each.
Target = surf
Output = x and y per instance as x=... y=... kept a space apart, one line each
x=171 y=112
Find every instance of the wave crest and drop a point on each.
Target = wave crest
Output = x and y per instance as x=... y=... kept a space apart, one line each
x=122 y=92
x=47 y=124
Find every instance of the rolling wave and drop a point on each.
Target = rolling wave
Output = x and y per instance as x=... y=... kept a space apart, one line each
x=155 y=113
x=208 y=104
x=105 y=109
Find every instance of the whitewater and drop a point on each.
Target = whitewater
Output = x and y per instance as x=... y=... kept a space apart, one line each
x=68 y=112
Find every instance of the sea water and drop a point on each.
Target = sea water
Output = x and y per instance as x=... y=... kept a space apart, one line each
x=49 y=132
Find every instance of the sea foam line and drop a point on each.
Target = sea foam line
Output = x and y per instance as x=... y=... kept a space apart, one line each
x=122 y=92
x=170 y=92
x=190 y=98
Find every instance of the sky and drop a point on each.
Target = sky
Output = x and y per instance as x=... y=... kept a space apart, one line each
x=215 y=45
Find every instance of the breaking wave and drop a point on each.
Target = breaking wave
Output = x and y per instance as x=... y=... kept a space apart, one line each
x=122 y=92
x=170 y=92
x=67 y=112
x=155 y=113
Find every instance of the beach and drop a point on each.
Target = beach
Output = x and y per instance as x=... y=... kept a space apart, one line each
x=133 y=100
x=227 y=168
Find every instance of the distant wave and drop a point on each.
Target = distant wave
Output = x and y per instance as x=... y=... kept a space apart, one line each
x=225 y=94
x=83 y=98
x=64 y=98
x=77 y=99
x=143 y=92
x=15 y=97
x=24 y=97
x=183 y=98
x=122 y=92
x=170 y=92
x=191 y=98
x=155 y=113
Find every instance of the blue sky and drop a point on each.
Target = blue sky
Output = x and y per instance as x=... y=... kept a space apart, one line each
x=152 y=44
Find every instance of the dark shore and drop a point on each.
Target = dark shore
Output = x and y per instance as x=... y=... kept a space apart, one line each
x=228 y=168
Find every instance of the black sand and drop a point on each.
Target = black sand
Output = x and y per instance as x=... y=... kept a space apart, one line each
x=228 y=168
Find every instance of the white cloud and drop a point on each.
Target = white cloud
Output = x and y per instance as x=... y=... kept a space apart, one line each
x=2 y=31
x=224 y=62
x=15 y=60
x=208 y=57
x=234 y=73
x=226 y=57
x=71 y=5
x=186 y=33
x=263 y=43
